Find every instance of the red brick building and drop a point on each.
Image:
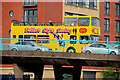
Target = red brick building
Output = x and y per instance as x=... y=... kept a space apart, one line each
x=29 y=12
x=110 y=21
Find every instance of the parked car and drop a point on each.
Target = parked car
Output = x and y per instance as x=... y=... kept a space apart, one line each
x=118 y=48
x=27 y=46
x=99 y=48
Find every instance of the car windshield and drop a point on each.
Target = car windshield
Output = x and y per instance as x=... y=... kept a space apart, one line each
x=100 y=45
x=117 y=47
x=36 y=44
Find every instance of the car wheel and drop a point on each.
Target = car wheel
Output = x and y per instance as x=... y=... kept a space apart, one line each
x=71 y=49
x=38 y=50
x=13 y=49
x=112 y=52
x=88 y=51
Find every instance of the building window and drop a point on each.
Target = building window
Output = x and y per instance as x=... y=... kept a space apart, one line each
x=83 y=3
x=80 y=3
x=117 y=38
x=71 y=14
x=68 y=2
x=117 y=9
x=11 y=13
x=106 y=38
x=89 y=75
x=75 y=2
x=117 y=26
x=86 y=3
x=107 y=8
x=10 y=32
x=106 y=25
x=30 y=16
x=29 y=3
x=93 y=4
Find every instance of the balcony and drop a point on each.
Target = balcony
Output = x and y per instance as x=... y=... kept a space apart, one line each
x=29 y=19
x=29 y=3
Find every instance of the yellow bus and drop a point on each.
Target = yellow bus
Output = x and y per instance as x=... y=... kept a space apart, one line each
x=73 y=28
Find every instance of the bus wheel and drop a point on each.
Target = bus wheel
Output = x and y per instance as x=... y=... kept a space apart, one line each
x=71 y=49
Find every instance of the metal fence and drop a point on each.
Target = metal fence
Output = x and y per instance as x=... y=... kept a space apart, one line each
x=75 y=46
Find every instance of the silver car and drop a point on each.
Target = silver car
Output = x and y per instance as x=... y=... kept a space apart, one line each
x=117 y=47
x=28 y=46
x=99 y=48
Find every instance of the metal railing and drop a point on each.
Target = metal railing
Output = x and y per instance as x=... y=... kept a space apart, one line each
x=76 y=46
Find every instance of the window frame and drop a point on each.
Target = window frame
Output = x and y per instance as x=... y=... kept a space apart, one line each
x=11 y=13
x=117 y=9
x=106 y=25
x=107 y=8
x=117 y=26
x=106 y=38
x=82 y=3
x=117 y=38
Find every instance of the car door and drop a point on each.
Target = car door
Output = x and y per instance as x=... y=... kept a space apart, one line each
x=93 y=48
x=103 y=48
x=30 y=46
x=19 y=45
x=24 y=46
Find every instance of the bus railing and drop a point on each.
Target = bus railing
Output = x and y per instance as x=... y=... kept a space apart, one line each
x=75 y=46
x=19 y=23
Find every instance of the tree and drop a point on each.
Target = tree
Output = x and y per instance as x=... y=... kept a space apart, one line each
x=111 y=74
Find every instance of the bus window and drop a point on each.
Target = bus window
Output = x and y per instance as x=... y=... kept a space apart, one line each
x=83 y=21
x=95 y=22
x=14 y=36
x=73 y=37
x=43 y=37
x=83 y=38
x=30 y=37
x=21 y=36
x=70 y=21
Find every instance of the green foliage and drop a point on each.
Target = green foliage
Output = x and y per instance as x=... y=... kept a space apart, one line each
x=110 y=74
x=67 y=76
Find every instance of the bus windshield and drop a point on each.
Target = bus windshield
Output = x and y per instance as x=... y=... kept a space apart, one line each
x=95 y=22
x=83 y=21
x=70 y=21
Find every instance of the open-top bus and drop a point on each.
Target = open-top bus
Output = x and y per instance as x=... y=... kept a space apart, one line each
x=73 y=28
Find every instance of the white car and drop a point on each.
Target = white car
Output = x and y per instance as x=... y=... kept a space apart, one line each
x=117 y=47
x=99 y=48
x=28 y=46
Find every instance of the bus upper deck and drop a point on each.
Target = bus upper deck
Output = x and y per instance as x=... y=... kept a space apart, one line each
x=68 y=20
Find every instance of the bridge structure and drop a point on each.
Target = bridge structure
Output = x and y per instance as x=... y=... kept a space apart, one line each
x=34 y=61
